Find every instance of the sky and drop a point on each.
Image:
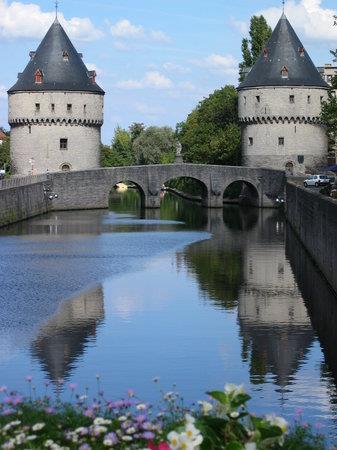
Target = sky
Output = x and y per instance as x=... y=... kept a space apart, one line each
x=155 y=59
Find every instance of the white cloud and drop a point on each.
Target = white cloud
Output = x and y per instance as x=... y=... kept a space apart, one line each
x=239 y=25
x=153 y=79
x=226 y=64
x=3 y=92
x=19 y=20
x=307 y=17
x=122 y=46
x=124 y=29
x=187 y=86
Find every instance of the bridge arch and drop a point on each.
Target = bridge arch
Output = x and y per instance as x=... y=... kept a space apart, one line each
x=188 y=187
x=243 y=191
x=130 y=184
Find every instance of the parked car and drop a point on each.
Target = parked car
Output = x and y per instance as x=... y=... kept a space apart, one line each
x=316 y=180
x=332 y=179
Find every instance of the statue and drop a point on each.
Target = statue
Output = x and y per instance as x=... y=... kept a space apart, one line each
x=179 y=148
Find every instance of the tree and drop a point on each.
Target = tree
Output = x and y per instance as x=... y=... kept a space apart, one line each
x=329 y=118
x=120 y=153
x=259 y=33
x=5 y=159
x=155 y=145
x=136 y=129
x=211 y=133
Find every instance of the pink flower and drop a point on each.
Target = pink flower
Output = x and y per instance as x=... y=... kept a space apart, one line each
x=161 y=446
x=29 y=378
x=299 y=411
x=49 y=410
x=72 y=386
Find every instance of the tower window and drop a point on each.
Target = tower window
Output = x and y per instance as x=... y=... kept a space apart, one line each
x=321 y=98
x=38 y=76
x=65 y=56
x=291 y=98
x=250 y=140
x=308 y=99
x=284 y=72
x=52 y=107
x=63 y=144
x=258 y=99
x=85 y=109
x=281 y=141
x=301 y=51
x=244 y=100
x=69 y=107
x=37 y=107
x=29 y=129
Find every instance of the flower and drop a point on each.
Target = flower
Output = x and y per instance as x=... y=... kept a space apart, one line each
x=84 y=447
x=3 y=388
x=38 y=426
x=72 y=386
x=277 y=421
x=141 y=407
x=189 y=418
x=206 y=407
x=110 y=439
x=29 y=378
x=234 y=390
x=173 y=438
x=101 y=421
x=234 y=414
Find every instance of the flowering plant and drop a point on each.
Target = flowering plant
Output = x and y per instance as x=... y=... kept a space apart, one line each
x=223 y=423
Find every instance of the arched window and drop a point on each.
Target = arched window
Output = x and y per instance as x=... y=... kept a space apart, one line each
x=301 y=51
x=65 y=167
x=65 y=56
x=38 y=76
x=284 y=72
x=265 y=53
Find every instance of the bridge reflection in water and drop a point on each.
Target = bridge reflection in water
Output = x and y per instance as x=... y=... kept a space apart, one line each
x=270 y=300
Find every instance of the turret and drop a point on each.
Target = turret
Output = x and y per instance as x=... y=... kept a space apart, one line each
x=55 y=110
x=280 y=104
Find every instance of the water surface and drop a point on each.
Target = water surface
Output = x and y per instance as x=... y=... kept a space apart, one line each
x=196 y=297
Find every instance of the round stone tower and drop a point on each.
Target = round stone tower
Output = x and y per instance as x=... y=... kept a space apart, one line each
x=280 y=104
x=55 y=110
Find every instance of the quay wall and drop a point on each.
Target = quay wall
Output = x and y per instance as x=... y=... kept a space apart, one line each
x=314 y=219
x=21 y=199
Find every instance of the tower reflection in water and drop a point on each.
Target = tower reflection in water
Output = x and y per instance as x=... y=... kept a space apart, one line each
x=62 y=340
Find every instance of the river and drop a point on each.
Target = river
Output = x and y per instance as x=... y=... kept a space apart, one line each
x=195 y=297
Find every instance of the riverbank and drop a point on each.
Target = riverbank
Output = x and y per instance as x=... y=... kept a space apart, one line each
x=314 y=219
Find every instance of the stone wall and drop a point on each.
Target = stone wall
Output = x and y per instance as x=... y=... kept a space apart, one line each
x=314 y=219
x=22 y=202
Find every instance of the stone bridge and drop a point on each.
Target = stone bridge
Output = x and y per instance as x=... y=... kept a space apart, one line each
x=90 y=188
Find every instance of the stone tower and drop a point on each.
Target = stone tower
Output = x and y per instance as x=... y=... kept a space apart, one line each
x=55 y=110
x=280 y=104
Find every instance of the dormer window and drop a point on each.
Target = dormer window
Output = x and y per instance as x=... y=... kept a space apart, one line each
x=32 y=55
x=92 y=75
x=65 y=56
x=301 y=51
x=265 y=53
x=38 y=77
x=284 y=72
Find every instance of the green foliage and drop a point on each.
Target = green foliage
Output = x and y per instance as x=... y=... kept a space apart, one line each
x=155 y=145
x=136 y=130
x=302 y=437
x=259 y=33
x=120 y=153
x=329 y=118
x=211 y=133
x=5 y=159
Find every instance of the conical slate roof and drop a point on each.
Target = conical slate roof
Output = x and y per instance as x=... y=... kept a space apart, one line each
x=283 y=62
x=61 y=66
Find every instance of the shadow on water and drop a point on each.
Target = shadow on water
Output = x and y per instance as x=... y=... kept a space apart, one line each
x=320 y=300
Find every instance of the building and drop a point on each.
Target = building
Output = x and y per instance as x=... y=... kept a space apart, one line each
x=328 y=72
x=280 y=105
x=55 y=110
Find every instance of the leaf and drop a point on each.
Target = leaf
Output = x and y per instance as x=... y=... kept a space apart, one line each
x=240 y=399
x=234 y=446
x=221 y=397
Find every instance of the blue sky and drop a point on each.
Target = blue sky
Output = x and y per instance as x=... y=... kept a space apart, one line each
x=155 y=58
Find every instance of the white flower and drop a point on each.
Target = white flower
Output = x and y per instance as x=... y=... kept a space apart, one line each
x=189 y=418
x=169 y=395
x=250 y=446
x=233 y=389
x=122 y=418
x=234 y=415
x=141 y=406
x=101 y=421
x=99 y=429
x=108 y=442
x=20 y=438
x=48 y=443
x=32 y=437
x=191 y=431
x=38 y=426
x=186 y=443
x=206 y=407
x=131 y=430
x=173 y=438
x=277 y=421
x=127 y=438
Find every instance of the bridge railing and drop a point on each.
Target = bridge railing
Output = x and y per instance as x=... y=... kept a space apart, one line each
x=14 y=182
